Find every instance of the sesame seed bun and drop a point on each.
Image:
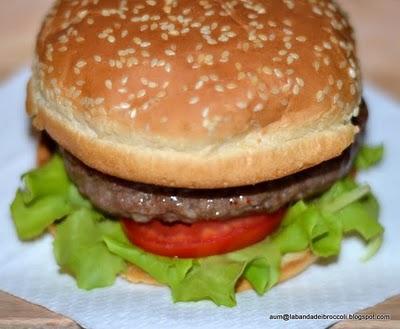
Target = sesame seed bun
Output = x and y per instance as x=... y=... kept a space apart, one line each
x=196 y=94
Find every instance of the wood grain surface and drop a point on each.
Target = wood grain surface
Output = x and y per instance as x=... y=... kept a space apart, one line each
x=15 y=313
x=377 y=27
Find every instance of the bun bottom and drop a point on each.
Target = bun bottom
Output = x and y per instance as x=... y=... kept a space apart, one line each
x=291 y=265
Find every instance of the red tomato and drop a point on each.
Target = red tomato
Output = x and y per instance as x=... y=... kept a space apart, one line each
x=203 y=238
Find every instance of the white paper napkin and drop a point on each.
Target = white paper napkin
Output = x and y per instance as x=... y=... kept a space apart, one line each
x=28 y=269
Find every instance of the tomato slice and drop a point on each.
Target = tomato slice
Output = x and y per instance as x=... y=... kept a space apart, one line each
x=203 y=238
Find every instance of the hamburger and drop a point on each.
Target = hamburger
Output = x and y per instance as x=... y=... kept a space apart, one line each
x=206 y=146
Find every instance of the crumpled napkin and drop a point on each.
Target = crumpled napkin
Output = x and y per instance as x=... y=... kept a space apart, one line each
x=28 y=269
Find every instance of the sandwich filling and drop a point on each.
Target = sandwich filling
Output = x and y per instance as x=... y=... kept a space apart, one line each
x=95 y=247
x=143 y=202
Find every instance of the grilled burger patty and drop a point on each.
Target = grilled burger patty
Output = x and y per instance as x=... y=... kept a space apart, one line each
x=143 y=202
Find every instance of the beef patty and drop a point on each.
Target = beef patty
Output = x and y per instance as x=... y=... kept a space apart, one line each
x=143 y=202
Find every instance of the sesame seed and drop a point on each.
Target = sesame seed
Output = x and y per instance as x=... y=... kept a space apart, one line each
x=81 y=64
x=219 y=88
x=225 y=53
x=153 y=84
x=124 y=106
x=205 y=112
x=154 y=62
x=108 y=84
x=213 y=77
x=352 y=73
x=352 y=89
x=317 y=10
x=278 y=73
x=194 y=100
x=190 y=59
x=319 y=96
x=99 y=101
x=169 y=52
x=132 y=61
x=300 y=81
x=241 y=75
x=132 y=113
x=287 y=22
x=267 y=70
x=288 y=45
x=301 y=38
x=141 y=93
x=161 y=94
x=241 y=105
x=259 y=107
x=318 y=48
x=198 y=84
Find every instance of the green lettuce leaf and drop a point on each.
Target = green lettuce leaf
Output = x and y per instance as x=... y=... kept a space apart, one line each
x=372 y=248
x=43 y=200
x=80 y=250
x=164 y=269
x=30 y=221
x=95 y=249
x=47 y=197
x=212 y=278
x=369 y=156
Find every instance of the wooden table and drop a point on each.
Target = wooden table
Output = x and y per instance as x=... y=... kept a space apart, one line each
x=377 y=28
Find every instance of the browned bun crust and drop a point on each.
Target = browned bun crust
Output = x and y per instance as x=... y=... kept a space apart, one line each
x=197 y=94
x=45 y=149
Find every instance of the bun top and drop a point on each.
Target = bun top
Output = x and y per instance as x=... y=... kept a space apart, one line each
x=189 y=83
